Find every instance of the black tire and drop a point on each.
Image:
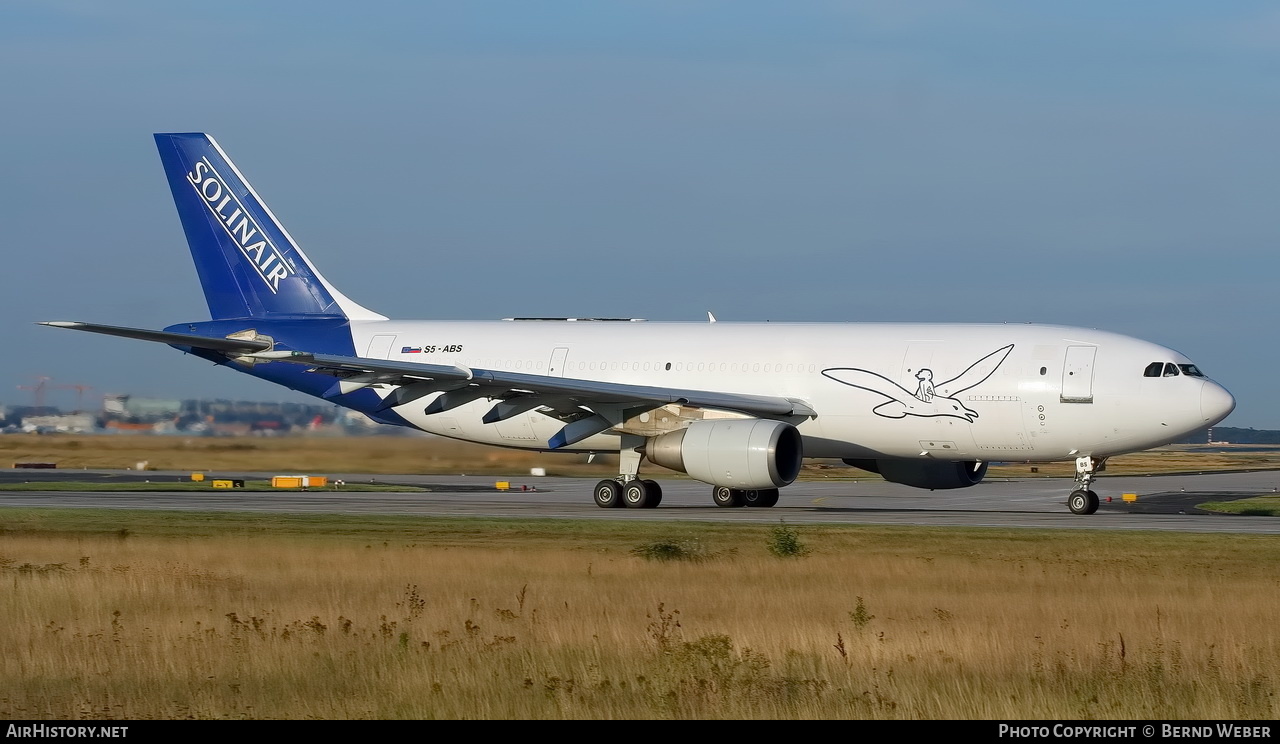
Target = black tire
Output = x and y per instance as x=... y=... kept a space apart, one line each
x=608 y=494
x=1082 y=502
x=655 y=493
x=637 y=494
x=764 y=497
x=728 y=497
x=1093 y=502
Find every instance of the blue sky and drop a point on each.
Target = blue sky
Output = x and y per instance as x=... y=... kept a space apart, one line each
x=1104 y=164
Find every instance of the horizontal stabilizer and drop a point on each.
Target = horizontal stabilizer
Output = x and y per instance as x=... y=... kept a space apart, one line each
x=226 y=345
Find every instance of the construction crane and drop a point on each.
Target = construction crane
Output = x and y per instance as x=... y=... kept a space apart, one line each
x=37 y=390
x=79 y=394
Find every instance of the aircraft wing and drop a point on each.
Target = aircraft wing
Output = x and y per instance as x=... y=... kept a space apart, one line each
x=563 y=387
x=579 y=403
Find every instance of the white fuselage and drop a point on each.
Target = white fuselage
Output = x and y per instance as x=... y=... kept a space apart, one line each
x=948 y=391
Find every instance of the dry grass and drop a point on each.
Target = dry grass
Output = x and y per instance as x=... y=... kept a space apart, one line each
x=1172 y=459
x=873 y=623
x=435 y=455
x=375 y=454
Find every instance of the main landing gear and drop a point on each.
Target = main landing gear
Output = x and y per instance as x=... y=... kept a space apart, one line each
x=1082 y=500
x=732 y=497
x=630 y=491
x=634 y=494
x=647 y=494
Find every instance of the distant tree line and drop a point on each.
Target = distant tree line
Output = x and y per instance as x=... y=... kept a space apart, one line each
x=1235 y=436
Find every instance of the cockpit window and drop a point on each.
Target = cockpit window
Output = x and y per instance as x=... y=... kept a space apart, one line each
x=1169 y=369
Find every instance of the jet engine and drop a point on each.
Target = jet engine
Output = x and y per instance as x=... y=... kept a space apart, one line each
x=739 y=453
x=930 y=474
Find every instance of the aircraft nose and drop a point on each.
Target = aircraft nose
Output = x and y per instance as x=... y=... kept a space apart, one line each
x=1215 y=402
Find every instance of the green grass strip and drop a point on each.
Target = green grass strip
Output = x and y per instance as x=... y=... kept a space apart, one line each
x=1258 y=506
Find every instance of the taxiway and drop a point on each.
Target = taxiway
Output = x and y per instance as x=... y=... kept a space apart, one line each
x=1165 y=502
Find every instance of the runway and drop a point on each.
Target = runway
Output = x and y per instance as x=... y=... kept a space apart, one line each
x=1165 y=502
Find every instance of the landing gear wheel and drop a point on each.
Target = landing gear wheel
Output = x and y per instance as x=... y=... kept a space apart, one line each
x=725 y=496
x=637 y=494
x=1082 y=502
x=765 y=497
x=655 y=493
x=608 y=494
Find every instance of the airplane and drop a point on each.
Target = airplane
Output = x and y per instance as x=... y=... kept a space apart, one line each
x=735 y=405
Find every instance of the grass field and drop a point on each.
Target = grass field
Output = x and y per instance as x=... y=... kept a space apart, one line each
x=112 y=614
x=134 y=615
x=320 y=455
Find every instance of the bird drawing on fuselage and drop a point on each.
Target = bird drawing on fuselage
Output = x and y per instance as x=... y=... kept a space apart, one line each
x=930 y=399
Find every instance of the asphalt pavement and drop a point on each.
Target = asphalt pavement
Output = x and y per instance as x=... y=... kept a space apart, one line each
x=1164 y=502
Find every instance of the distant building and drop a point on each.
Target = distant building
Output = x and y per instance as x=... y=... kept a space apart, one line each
x=69 y=422
x=143 y=408
x=125 y=413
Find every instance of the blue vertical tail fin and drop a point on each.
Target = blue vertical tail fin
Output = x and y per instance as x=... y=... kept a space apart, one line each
x=249 y=266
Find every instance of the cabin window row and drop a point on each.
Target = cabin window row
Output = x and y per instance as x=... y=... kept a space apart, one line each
x=691 y=367
x=519 y=364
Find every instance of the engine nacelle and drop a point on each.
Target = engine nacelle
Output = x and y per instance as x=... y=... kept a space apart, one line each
x=739 y=453
x=929 y=474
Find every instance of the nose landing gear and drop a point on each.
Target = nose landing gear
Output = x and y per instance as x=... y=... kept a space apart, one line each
x=1082 y=500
